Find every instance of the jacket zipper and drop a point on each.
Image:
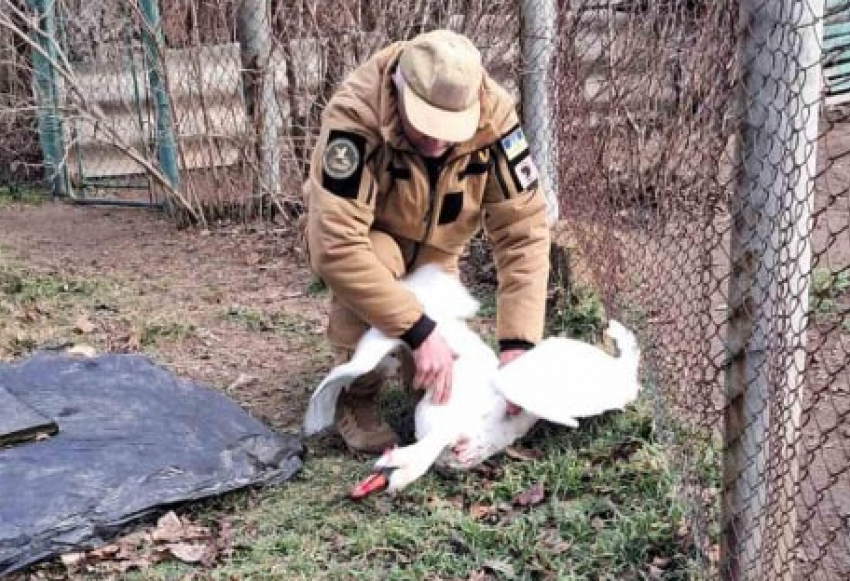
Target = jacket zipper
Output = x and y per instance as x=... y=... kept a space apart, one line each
x=433 y=182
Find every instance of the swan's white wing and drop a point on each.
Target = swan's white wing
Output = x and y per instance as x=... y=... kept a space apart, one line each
x=563 y=379
x=371 y=350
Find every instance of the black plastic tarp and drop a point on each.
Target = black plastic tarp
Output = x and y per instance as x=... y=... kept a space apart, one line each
x=132 y=437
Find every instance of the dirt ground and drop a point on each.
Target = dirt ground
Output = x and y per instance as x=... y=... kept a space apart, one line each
x=218 y=286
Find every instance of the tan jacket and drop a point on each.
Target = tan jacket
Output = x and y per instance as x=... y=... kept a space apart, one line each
x=364 y=174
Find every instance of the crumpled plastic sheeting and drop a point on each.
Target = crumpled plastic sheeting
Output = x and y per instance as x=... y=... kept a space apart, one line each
x=132 y=437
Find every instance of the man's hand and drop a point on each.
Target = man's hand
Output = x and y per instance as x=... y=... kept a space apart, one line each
x=506 y=357
x=434 y=361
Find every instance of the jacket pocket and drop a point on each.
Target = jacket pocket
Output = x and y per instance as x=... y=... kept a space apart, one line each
x=450 y=208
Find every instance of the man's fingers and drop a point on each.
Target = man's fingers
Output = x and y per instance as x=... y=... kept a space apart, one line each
x=422 y=379
x=440 y=390
x=449 y=376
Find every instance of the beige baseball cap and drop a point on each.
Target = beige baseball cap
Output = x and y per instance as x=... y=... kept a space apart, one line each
x=443 y=74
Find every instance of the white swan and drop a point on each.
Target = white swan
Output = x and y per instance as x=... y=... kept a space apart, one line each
x=560 y=380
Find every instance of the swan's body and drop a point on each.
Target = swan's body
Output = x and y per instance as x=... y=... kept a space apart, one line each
x=560 y=380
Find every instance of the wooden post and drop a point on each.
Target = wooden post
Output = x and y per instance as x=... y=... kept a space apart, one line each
x=780 y=99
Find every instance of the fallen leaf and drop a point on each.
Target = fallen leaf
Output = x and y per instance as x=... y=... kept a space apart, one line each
x=225 y=537
x=30 y=315
x=504 y=507
x=141 y=563
x=479 y=511
x=479 y=576
x=244 y=380
x=253 y=259
x=84 y=325
x=502 y=567
x=168 y=528
x=524 y=454
x=552 y=542
x=132 y=544
x=597 y=523
x=661 y=562
x=82 y=350
x=72 y=560
x=439 y=503
x=188 y=552
x=104 y=552
x=714 y=554
x=531 y=497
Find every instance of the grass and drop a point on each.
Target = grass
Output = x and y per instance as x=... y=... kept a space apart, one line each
x=152 y=333
x=578 y=313
x=21 y=194
x=281 y=322
x=607 y=510
x=38 y=309
x=606 y=514
x=827 y=287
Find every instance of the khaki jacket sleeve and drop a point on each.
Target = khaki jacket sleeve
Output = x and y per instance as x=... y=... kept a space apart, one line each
x=515 y=221
x=340 y=215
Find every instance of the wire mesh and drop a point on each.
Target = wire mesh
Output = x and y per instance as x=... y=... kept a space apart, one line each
x=699 y=152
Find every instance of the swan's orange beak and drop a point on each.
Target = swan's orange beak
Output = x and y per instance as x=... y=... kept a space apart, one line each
x=375 y=482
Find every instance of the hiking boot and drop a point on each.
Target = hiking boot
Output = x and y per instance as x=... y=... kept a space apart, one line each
x=357 y=418
x=359 y=423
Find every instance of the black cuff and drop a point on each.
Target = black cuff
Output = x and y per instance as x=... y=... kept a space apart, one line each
x=420 y=330
x=508 y=344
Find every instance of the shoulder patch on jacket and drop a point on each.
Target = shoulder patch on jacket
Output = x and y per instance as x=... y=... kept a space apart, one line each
x=525 y=173
x=513 y=143
x=342 y=163
x=514 y=147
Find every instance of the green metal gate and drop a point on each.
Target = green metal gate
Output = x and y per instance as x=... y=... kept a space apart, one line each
x=89 y=156
x=836 y=40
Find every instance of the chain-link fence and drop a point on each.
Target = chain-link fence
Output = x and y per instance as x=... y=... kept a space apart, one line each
x=698 y=151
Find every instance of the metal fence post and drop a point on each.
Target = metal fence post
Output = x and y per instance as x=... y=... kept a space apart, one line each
x=50 y=126
x=805 y=88
x=780 y=99
x=254 y=32
x=155 y=50
x=538 y=50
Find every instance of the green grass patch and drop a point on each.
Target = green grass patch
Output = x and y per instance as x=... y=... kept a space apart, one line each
x=22 y=285
x=486 y=298
x=22 y=194
x=284 y=323
x=606 y=513
x=152 y=333
x=40 y=309
x=827 y=287
x=316 y=288
x=578 y=313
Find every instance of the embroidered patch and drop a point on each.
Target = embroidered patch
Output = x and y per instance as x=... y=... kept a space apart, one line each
x=342 y=158
x=514 y=143
x=525 y=173
x=342 y=163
